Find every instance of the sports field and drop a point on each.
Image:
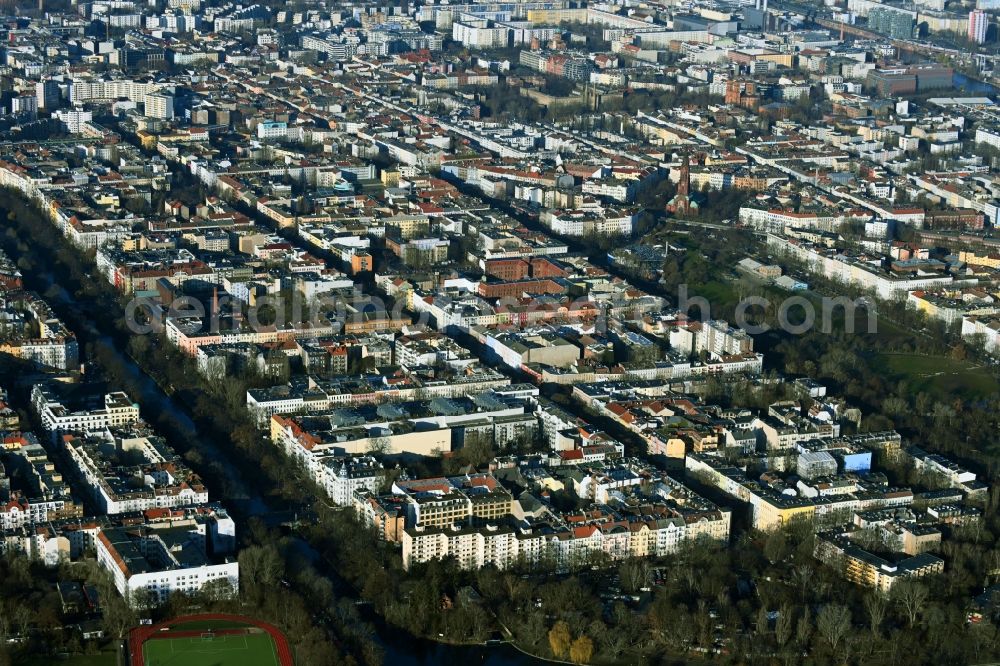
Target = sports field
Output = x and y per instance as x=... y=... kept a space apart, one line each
x=248 y=649
x=209 y=640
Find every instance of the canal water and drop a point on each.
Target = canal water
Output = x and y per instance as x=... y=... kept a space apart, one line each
x=973 y=86
x=417 y=652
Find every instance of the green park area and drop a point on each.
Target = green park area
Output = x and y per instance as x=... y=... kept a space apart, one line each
x=938 y=376
x=106 y=658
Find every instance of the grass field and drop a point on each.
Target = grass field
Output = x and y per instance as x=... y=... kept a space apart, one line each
x=939 y=376
x=255 y=649
x=109 y=658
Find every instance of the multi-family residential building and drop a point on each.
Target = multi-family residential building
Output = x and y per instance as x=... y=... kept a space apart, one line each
x=39 y=493
x=772 y=504
x=345 y=477
x=149 y=563
x=106 y=462
x=317 y=395
x=954 y=474
x=562 y=548
x=865 y=568
x=55 y=417
x=715 y=337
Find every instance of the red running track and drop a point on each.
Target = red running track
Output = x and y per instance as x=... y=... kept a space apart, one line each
x=140 y=635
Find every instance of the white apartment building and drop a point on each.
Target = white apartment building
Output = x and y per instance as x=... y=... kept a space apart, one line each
x=165 y=481
x=272 y=130
x=148 y=566
x=480 y=33
x=986 y=328
x=61 y=353
x=82 y=91
x=777 y=220
x=856 y=272
x=55 y=417
x=24 y=105
x=714 y=336
x=343 y=476
x=990 y=137
x=29 y=512
x=74 y=119
x=337 y=51
x=564 y=549
x=37 y=543
x=952 y=472
x=160 y=105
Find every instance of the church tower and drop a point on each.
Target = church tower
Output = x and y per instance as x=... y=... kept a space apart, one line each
x=682 y=202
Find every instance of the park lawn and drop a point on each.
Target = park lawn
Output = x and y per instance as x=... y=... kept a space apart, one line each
x=891 y=333
x=239 y=650
x=721 y=295
x=939 y=376
x=102 y=659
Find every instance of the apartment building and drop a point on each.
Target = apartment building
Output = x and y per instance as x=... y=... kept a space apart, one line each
x=149 y=563
x=715 y=337
x=55 y=417
x=561 y=548
x=344 y=477
x=860 y=271
x=386 y=514
x=443 y=502
x=39 y=493
x=773 y=504
x=82 y=90
x=954 y=474
x=321 y=395
x=865 y=568
x=106 y=463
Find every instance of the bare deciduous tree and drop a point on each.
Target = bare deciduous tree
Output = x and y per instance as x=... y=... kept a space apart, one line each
x=783 y=625
x=379 y=446
x=834 y=621
x=803 y=576
x=911 y=596
x=804 y=629
x=634 y=574
x=875 y=607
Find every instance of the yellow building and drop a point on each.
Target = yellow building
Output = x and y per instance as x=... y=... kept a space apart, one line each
x=863 y=568
x=491 y=505
x=675 y=448
x=408 y=226
x=771 y=512
x=147 y=139
x=107 y=199
x=555 y=16
x=987 y=260
x=442 y=510
x=390 y=178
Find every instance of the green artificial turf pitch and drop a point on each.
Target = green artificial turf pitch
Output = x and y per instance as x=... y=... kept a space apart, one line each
x=255 y=649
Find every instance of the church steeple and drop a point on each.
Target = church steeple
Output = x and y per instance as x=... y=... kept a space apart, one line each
x=682 y=202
